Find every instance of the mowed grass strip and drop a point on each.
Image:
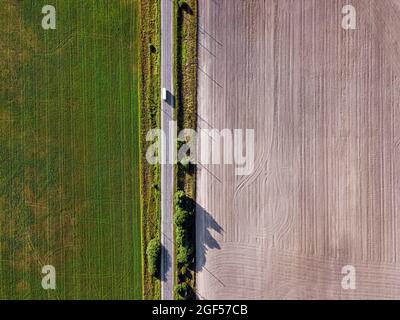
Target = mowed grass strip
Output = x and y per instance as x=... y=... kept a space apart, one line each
x=150 y=105
x=69 y=150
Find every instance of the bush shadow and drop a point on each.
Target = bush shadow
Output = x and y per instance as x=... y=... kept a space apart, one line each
x=166 y=263
x=204 y=240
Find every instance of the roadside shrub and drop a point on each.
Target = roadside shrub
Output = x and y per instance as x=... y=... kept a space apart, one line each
x=183 y=270
x=179 y=200
x=182 y=3
x=182 y=217
x=152 y=48
x=184 y=221
x=183 y=291
x=153 y=253
x=182 y=255
x=180 y=236
x=184 y=202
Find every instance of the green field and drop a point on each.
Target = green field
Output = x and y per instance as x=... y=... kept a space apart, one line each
x=69 y=150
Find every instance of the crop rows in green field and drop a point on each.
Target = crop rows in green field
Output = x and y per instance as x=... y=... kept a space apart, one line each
x=69 y=180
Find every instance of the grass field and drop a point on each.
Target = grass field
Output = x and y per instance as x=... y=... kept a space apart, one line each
x=69 y=150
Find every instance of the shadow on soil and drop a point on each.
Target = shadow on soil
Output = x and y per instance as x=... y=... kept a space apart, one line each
x=204 y=240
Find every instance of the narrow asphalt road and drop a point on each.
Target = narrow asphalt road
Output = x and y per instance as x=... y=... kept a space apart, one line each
x=167 y=186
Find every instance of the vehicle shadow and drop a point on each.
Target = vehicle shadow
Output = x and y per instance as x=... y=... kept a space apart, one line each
x=170 y=99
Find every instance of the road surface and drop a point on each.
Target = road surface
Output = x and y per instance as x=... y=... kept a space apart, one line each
x=167 y=253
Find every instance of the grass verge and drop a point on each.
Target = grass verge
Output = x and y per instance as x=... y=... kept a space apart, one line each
x=149 y=119
x=185 y=14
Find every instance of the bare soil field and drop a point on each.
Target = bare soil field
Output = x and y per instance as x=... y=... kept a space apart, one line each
x=324 y=104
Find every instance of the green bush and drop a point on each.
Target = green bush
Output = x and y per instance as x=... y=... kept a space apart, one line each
x=182 y=255
x=183 y=291
x=184 y=202
x=184 y=221
x=182 y=3
x=183 y=270
x=152 y=48
x=182 y=217
x=153 y=253
x=180 y=198
x=180 y=236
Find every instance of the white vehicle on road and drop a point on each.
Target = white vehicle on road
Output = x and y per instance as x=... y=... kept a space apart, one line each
x=164 y=94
